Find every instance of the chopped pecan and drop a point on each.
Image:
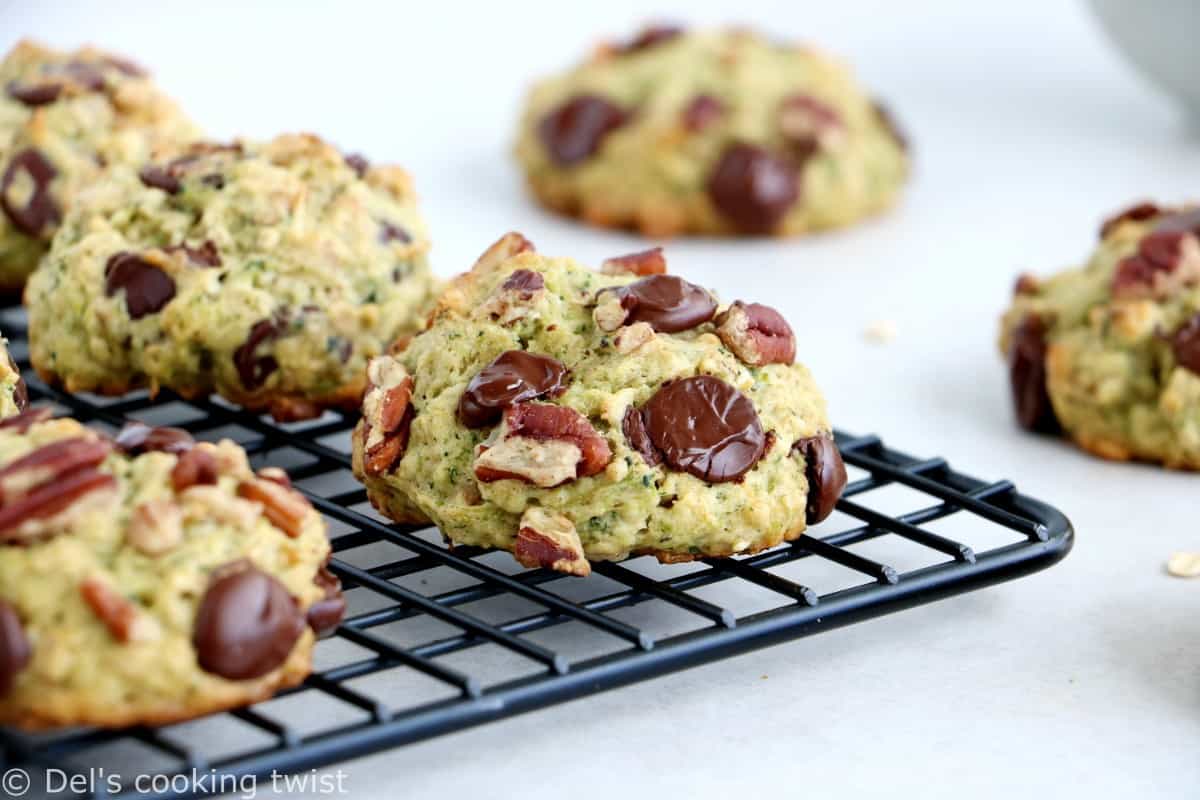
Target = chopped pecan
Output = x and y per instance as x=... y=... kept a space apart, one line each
x=543 y=444
x=38 y=512
x=646 y=262
x=50 y=462
x=757 y=334
x=275 y=475
x=504 y=248
x=1165 y=262
x=212 y=502
x=514 y=298
x=808 y=124
x=631 y=337
x=549 y=540
x=15 y=649
x=610 y=313
x=26 y=419
x=1026 y=283
x=138 y=437
x=197 y=466
x=1136 y=213
x=387 y=415
x=124 y=620
x=285 y=508
x=156 y=527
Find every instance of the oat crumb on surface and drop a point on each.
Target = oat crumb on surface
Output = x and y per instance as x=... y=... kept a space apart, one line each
x=1184 y=565
x=881 y=331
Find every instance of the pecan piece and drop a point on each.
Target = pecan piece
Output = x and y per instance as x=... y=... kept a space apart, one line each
x=1136 y=213
x=15 y=650
x=147 y=287
x=37 y=512
x=646 y=262
x=1165 y=262
x=124 y=620
x=387 y=415
x=285 y=508
x=808 y=125
x=513 y=299
x=247 y=624
x=26 y=419
x=156 y=527
x=544 y=445
x=50 y=462
x=757 y=334
x=195 y=467
x=138 y=437
x=631 y=337
x=549 y=540
x=504 y=248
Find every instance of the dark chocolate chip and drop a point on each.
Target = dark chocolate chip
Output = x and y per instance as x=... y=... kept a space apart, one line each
x=247 y=624
x=572 y=132
x=513 y=377
x=147 y=288
x=389 y=232
x=326 y=614
x=1159 y=252
x=826 y=474
x=138 y=437
x=38 y=94
x=20 y=393
x=206 y=255
x=888 y=120
x=634 y=428
x=1138 y=213
x=358 y=163
x=1185 y=344
x=158 y=177
x=525 y=281
x=705 y=427
x=668 y=303
x=1027 y=374
x=214 y=179
x=703 y=110
x=656 y=34
x=15 y=651
x=752 y=188
x=40 y=212
x=254 y=369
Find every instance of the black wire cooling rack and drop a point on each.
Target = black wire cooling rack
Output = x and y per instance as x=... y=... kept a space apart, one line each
x=437 y=641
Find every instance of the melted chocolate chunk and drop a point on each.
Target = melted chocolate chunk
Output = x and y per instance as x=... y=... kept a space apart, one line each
x=1027 y=374
x=147 y=288
x=826 y=475
x=573 y=131
x=40 y=213
x=138 y=437
x=705 y=427
x=206 y=255
x=752 y=188
x=15 y=651
x=247 y=624
x=38 y=94
x=1185 y=344
x=525 y=281
x=514 y=377
x=634 y=428
x=667 y=303
x=254 y=369
x=326 y=614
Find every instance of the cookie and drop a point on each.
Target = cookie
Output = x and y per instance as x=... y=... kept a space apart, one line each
x=1109 y=353
x=267 y=272
x=569 y=415
x=148 y=579
x=14 y=394
x=63 y=117
x=710 y=132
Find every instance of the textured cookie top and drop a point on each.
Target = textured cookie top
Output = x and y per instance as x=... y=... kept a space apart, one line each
x=14 y=395
x=63 y=117
x=147 y=578
x=1112 y=350
x=710 y=131
x=270 y=272
x=629 y=410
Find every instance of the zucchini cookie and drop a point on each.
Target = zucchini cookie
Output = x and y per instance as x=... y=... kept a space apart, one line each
x=148 y=579
x=63 y=117
x=14 y=394
x=1110 y=352
x=569 y=415
x=714 y=132
x=270 y=273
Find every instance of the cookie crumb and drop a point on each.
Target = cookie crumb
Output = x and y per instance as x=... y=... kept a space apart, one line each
x=1184 y=565
x=881 y=331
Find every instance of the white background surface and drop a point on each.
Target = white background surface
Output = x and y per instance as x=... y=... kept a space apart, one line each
x=1082 y=681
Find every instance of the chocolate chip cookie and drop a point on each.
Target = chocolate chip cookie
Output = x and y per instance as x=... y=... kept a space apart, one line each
x=270 y=273
x=14 y=395
x=147 y=578
x=569 y=415
x=710 y=132
x=63 y=117
x=1110 y=352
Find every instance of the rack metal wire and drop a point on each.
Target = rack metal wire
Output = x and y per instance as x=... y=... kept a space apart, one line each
x=438 y=640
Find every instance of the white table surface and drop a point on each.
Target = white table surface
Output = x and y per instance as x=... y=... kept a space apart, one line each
x=1079 y=681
